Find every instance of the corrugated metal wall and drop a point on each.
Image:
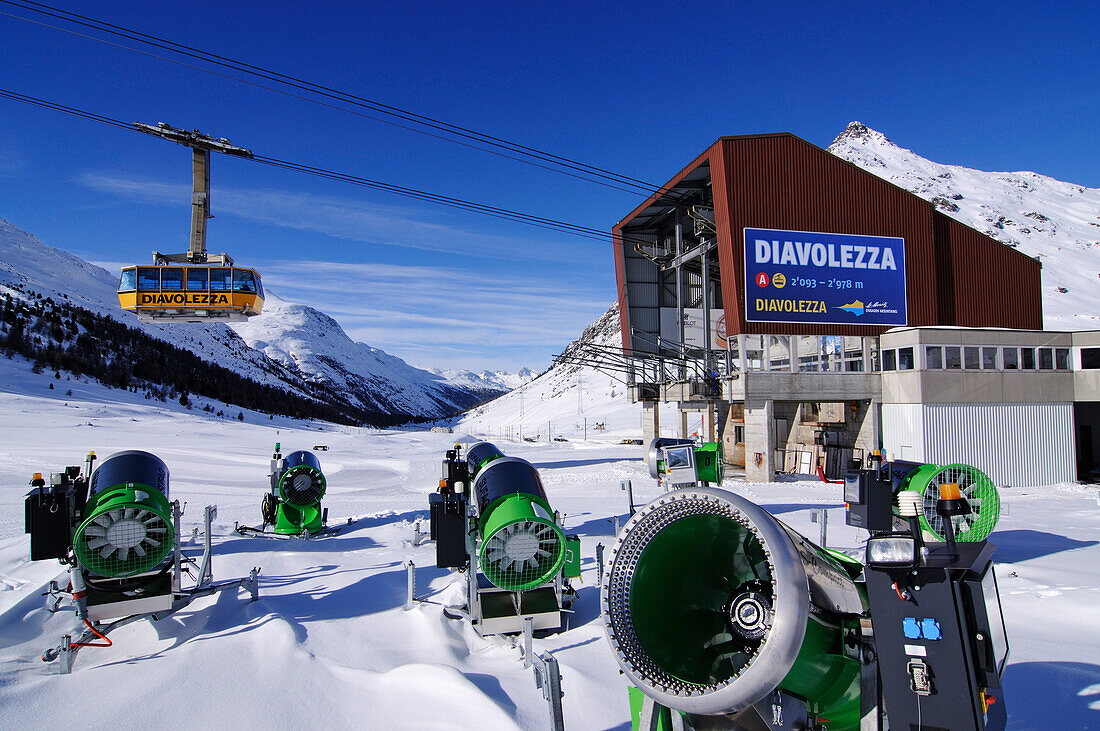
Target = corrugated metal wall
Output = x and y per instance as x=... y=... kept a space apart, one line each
x=983 y=282
x=954 y=274
x=1015 y=444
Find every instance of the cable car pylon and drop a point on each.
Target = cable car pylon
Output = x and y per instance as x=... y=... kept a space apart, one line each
x=208 y=287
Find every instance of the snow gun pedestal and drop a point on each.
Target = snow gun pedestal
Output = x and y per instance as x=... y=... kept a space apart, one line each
x=120 y=536
x=293 y=505
x=721 y=616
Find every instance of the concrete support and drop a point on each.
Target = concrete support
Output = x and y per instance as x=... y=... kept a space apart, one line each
x=684 y=427
x=710 y=421
x=760 y=440
x=651 y=421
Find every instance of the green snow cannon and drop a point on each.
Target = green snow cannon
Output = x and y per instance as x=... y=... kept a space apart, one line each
x=479 y=455
x=522 y=546
x=979 y=491
x=128 y=525
x=299 y=485
x=710 y=604
x=706 y=458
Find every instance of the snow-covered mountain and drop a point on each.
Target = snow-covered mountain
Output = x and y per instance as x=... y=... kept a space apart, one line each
x=311 y=344
x=289 y=346
x=1055 y=222
x=486 y=380
x=569 y=399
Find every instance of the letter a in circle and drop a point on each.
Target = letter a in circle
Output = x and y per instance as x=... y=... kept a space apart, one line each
x=761 y=280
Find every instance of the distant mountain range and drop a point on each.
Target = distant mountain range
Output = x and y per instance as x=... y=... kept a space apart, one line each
x=290 y=347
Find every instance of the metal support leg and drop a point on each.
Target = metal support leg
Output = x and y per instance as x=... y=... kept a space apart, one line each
x=410 y=594
x=67 y=652
x=548 y=680
x=625 y=485
x=206 y=572
x=177 y=561
x=599 y=564
x=821 y=516
x=528 y=637
x=254 y=583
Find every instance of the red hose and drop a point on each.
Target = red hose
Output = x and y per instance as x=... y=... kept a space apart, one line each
x=821 y=474
x=106 y=642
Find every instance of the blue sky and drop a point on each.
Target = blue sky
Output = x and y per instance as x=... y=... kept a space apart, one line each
x=639 y=88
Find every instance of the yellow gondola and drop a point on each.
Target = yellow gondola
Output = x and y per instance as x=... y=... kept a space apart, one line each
x=190 y=293
x=193 y=286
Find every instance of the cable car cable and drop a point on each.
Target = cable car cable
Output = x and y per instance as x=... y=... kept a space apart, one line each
x=319 y=102
x=482 y=208
x=643 y=187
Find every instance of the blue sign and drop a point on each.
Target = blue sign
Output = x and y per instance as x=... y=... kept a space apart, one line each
x=822 y=278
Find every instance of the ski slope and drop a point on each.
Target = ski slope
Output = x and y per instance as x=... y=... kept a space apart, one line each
x=329 y=642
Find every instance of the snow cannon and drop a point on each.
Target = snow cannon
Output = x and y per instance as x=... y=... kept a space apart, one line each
x=522 y=545
x=479 y=455
x=981 y=495
x=298 y=486
x=679 y=462
x=127 y=526
x=713 y=607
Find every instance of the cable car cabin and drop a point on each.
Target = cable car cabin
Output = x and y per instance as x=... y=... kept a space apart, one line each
x=190 y=293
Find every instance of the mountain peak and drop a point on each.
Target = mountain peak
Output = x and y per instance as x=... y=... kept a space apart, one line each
x=857 y=133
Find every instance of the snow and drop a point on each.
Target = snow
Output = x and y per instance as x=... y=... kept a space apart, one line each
x=329 y=641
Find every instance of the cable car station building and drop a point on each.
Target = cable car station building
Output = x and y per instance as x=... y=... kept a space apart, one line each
x=809 y=312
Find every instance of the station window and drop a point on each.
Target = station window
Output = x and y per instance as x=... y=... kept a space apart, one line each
x=197 y=277
x=952 y=357
x=933 y=356
x=128 y=281
x=905 y=359
x=220 y=278
x=148 y=278
x=971 y=358
x=1011 y=359
x=243 y=281
x=171 y=279
x=1046 y=359
x=889 y=360
x=1061 y=359
x=1027 y=359
x=989 y=358
x=1090 y=359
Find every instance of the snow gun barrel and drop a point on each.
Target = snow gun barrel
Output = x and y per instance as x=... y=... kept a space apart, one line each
x=127 y=528
x=522 y=545
x=710 y=604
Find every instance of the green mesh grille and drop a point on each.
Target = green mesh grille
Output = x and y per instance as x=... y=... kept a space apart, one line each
x=124 y=541
x=980 y=493
x=522 y=555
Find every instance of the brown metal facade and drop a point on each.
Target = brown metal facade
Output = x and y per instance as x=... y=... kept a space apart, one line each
x=954 y=274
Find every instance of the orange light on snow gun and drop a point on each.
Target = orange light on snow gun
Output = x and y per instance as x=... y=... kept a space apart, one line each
x=950 y=491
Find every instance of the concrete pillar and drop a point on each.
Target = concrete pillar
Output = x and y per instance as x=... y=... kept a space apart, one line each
x=759 y=440
x=710 y=421
x=685 y=433
x=651 y=421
